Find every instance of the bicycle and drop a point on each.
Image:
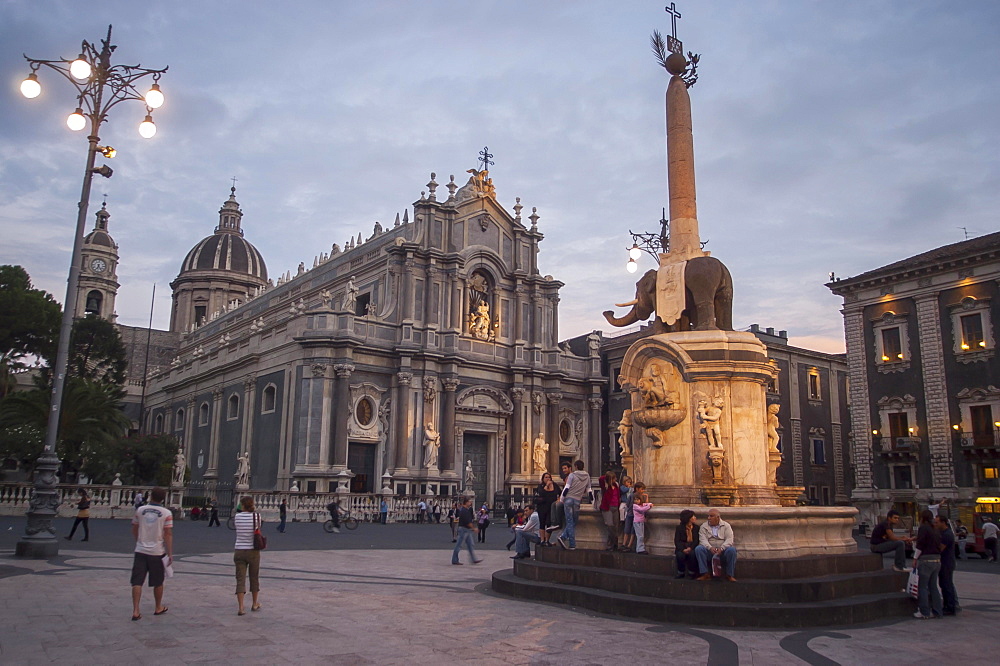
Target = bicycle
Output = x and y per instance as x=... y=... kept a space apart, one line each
x=346 y=520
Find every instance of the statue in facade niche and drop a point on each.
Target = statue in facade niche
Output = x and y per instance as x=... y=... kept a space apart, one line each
x=540 y=453
x=243 y=469
x=661 y=408
x=709 y=416
x=625 y=433
x=180 y=466
x=432 y=443
x=351 y=297
x=470 y=476
x=479 y=322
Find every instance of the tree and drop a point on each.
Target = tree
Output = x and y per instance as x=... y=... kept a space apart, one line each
x=97 y=352
x=29 y=323
x=90 y=418
x=140 y=459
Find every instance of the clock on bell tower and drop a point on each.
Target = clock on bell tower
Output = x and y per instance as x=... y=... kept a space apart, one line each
x=98 y=284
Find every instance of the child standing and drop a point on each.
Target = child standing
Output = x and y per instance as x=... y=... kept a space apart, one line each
x=640 y=505
x=628 y=530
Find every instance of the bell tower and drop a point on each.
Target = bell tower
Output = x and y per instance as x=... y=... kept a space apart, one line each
x=98 y=284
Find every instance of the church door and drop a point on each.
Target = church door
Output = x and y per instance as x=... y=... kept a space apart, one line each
x=361 y=461
x=477 y=448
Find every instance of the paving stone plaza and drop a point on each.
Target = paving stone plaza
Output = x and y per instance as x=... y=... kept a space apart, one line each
x=389 y=595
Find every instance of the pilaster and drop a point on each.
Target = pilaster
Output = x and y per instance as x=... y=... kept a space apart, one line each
x=939 y=435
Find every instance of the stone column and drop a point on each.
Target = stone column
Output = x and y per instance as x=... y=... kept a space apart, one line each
x=552 y=436
x=212 y=471
x=939 y=436
x=516 y=432
x=447 y=429
x=595 y=436
x=403 y=380
x=861 y=423
x=455 y=285
x=342 y=406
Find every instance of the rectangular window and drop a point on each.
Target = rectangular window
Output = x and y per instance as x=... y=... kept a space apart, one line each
x=199 y=314
x=990 y=473
x=982 y=424
x=818 y=451
x=902 y=477
x=892 y=345
x=826 y=496
x=899 y=425
x=615 y=377
x=814 y=393
x=972 y=332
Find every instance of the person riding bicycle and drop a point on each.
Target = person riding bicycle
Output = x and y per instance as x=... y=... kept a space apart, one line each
x=334 y=509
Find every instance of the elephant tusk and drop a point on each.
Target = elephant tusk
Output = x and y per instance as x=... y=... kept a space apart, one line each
x=625 y=305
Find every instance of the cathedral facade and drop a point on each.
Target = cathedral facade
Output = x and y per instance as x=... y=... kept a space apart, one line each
x=419 y=360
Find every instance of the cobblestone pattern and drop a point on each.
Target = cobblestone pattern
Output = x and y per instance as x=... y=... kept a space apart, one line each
x=935 y=391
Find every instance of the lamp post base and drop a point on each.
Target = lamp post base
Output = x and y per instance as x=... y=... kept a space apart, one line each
x=39 y=539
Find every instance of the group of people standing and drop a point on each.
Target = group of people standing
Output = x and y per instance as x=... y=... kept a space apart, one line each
x=933 y=560
x=153 y=527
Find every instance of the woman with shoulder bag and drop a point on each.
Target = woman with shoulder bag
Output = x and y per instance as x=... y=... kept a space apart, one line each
x=82 y=516
x=245 y=555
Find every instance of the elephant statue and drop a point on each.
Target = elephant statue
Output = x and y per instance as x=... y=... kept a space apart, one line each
x=708 y=299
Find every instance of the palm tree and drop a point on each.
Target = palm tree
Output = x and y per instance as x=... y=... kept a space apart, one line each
x=90 y=418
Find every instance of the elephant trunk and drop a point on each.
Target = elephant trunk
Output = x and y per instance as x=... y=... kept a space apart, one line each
x=630 y=318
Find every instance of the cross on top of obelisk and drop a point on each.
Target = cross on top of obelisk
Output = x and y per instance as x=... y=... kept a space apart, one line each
x=484 y=157
x=674 y=44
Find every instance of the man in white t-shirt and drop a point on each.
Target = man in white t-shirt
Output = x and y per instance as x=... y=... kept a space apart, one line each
x=990 y=533
x=153 y=529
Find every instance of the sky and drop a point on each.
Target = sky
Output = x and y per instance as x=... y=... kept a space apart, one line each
x=829 y=136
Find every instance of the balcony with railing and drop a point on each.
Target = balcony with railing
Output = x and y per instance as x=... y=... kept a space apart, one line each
x=897 y=447
x=980 y=445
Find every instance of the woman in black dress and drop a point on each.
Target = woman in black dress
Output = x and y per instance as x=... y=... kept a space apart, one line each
x=546 y=495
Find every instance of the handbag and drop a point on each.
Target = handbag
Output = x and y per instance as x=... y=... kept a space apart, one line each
x=259 y=540
x=913 y=584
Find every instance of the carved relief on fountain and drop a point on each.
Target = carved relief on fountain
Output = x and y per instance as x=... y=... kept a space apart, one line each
x=661 y=407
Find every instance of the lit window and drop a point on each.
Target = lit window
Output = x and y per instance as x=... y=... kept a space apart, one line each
x=814 y=385
x=892 y=347
x=972 y=332
x=990 y=473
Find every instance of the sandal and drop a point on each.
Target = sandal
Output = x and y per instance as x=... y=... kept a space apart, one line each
x=136 y=618
x=161 y=612
x=255 y=607
x=241 y=612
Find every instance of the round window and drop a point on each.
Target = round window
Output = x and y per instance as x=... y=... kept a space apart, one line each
x=565 y=431
x=364 y=412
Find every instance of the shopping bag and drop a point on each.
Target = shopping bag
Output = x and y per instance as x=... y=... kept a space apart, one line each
x=913 y=584
x=716 y=566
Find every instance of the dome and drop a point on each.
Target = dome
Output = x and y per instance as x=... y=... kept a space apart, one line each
x=226 y=249
x=97 y=237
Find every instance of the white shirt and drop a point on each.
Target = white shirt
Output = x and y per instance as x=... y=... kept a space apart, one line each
x=152 y=520
x=990 y=530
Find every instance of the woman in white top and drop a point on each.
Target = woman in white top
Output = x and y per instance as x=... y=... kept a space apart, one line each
x=245 y=556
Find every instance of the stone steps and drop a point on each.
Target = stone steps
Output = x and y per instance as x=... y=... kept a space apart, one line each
x=796 y=592
x=792 y=590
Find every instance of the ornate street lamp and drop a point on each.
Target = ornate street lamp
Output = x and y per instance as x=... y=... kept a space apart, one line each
x=100 y=86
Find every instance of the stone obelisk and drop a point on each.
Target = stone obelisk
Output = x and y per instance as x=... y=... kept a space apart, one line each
x=685 y=242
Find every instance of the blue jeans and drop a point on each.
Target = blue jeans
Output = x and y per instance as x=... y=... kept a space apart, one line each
x=281 y=525
x=523 y=541
x=464 y=537
x=897 y=548
x=728 y=557
x=571 y=509
x=928 y=594
x=948 y=591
